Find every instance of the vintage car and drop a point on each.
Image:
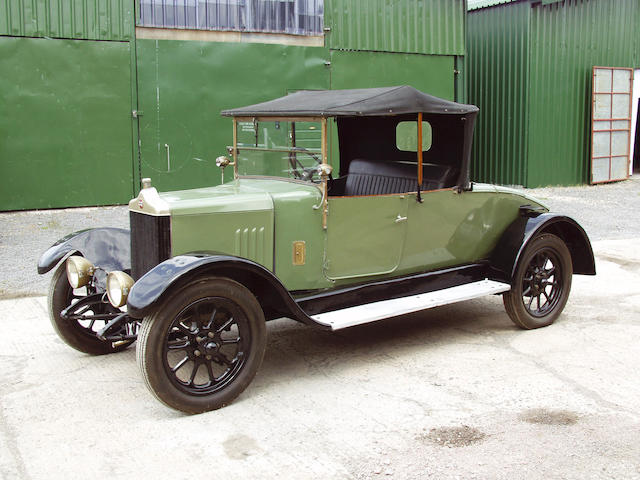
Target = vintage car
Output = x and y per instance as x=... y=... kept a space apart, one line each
x=398 y=228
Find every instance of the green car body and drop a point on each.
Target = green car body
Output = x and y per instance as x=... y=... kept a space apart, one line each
x=399 y=229
x=261 y=219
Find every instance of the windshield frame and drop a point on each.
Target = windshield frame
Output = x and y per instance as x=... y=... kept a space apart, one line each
x=323 y=185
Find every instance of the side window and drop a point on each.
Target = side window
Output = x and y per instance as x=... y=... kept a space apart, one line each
x=298 y=17
x=407 y=136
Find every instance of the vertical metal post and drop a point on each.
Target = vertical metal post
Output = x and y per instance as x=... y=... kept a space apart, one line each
x=420 y=150
x=235 y=148
x=325 y=178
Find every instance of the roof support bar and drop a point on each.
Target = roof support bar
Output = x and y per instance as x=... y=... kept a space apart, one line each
x=419 y=156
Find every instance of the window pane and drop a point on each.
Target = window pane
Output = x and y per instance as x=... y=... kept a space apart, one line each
x=301 y=17
x=407 y=136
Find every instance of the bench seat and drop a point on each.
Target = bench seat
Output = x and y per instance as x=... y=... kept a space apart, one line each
x=369 y=177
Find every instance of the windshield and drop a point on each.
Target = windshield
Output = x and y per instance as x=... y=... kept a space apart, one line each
x=286 y=148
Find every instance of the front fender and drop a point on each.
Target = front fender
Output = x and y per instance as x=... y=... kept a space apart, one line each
x=107 y=248
x=517 y=236
x=148 y=293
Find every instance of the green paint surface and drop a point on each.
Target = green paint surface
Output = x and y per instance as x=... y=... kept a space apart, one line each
x=369 y=237
x=408 y=26
x=530 y=72
x=77 y=19
x=449 y=228
x=65 y=127
x=365 y=235
x=183 y=86
x=431 y=74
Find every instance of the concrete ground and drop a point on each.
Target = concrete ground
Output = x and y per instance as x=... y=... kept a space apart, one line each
x=454 y=392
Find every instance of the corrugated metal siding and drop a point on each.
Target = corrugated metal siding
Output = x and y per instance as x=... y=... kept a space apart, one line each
x=567 y=40
x=411 y=26
x=498 y=72
x=529 y=70
x=73 y=19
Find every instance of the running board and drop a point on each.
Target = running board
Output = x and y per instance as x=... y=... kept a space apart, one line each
x=370 y=312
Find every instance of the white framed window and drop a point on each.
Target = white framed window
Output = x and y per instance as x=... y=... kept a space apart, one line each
x=298 y=17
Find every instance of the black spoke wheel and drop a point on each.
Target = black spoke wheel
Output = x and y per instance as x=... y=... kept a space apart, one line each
x=203 y=346
x=80 y=334
x=541 y=284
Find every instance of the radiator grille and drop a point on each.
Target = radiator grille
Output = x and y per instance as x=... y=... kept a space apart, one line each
x=150 y=242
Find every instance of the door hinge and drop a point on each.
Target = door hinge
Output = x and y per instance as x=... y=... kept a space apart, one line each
x=137 y=113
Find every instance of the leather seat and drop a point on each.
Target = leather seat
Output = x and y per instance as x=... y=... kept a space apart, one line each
x=369 y=177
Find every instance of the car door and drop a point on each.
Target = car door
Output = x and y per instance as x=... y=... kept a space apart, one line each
x=365 y=235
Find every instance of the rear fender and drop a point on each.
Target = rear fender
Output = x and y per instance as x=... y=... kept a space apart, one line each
x=517 y=236
x=107 y=248
x=155 y=286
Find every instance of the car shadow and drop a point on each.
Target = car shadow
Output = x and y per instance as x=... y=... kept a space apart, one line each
x=293 y=348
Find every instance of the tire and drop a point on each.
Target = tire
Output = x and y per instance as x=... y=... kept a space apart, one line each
x=80 y=335
x=203 y=345
x=542 y=283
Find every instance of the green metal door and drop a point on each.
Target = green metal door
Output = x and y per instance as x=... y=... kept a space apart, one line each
x=365 y=235
x=65 y=123
x=183 y=86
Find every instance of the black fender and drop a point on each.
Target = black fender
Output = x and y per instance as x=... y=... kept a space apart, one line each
x=505 y=257
x=107 y=248
x=149 y=292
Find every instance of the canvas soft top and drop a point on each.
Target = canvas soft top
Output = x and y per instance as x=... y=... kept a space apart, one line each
x=349 y=103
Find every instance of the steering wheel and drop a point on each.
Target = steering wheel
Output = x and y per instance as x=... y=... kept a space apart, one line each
x=301 y=172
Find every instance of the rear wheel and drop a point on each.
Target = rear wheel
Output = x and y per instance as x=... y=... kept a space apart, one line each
x=203 y=346
x=542 y=283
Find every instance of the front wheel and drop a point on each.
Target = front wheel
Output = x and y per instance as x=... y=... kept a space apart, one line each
x=81 y=331
x=541 y=284
x=203 y=346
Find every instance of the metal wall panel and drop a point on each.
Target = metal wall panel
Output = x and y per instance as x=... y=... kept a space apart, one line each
x=430 y=73
x=498 y=83
x=529 y=68
x=65 y=127
x=567 y=40
x=77 y=19
x=183 y=86
x=408 y=26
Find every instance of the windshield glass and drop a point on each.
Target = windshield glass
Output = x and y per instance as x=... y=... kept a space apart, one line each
x=289 y=149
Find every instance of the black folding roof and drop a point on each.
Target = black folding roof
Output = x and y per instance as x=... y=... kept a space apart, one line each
x=350 y=103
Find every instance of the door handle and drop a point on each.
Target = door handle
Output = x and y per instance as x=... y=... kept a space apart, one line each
x=400 y=219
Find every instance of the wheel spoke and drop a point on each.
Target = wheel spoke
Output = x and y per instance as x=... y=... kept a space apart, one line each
x=546 y=296
x=212 y=377
x=179 y=344
x=212 y=318
x=180 y=364
x=225 y=325
x=194 y=372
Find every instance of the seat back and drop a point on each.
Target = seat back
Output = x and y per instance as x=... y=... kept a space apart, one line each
x=369 y=177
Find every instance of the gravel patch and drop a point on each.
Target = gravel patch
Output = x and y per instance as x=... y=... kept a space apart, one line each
x=25 y=235
x=607 y=212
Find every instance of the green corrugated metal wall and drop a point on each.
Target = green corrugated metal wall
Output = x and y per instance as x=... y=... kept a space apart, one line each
x=567 y=40
x=181 y=86
x=411 y=26
x=78 y=19
x=498 y=73
x=529 y=68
